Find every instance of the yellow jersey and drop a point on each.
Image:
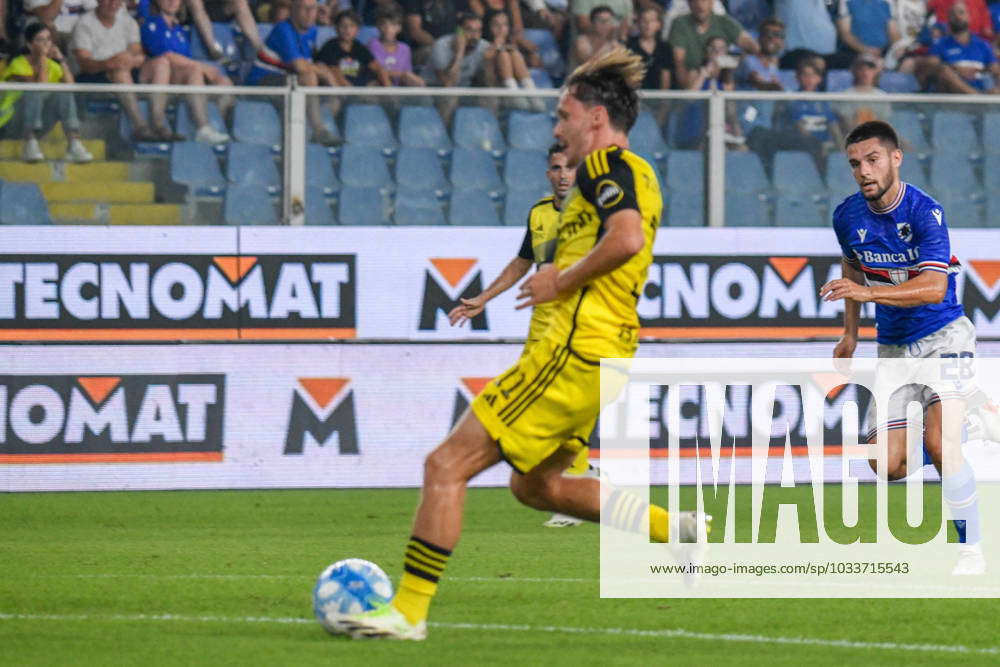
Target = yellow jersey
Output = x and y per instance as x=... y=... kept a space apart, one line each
x=539 y=246
x=600 y=319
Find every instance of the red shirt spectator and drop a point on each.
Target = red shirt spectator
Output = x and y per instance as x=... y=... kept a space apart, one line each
x=979 y=15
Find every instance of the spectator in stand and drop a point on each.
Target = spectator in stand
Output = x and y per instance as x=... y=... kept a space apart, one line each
x=865 y=73
x=864 y=26
x=583 y=11
x=551 y=15
x=426 y=21
x=349 y=61
x=505 y=65
x=293 y=41
x=107 y=49
x=39 y=112
x=204 y=12
x=59 y=15
x=392 y=54
x=459 y=59
x=681 y=8
x=959 y=61
x=656 y=54
x=760 y=72
x=169 y=62
x=689 y=37
x=912 y=22
x=815 y=121
x=325 y=14
x=809 y=30
x=484 y=9
x=600 y=38
x=980 y=22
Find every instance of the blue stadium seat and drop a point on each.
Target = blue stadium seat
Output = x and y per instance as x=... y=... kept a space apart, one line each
x=754 y=114
x=331 y=125
x=898 y=82
x=542 y=79
x=529 y=131
x=745 y=172
x=367 y=33
x=743 y=210
x=473 y=208
x=224 y=35
x=838 y=80
x=910 y=131
x=686 y=173
x=954 y=132
x=788 y=80
x=415 y=208
x=684 y=211
x=797 y=210
x=318 y=211
x=952 y=176
x=319 y=170
x=992 y=210
x=646 y=136
x=368 y=125
x=991 y=173
x=185 y=123
x=472 y=168
x=141 y=148
x=248 y=204
x=961 y=212
x=257 y=122
x=419 y=169
x=839 y=180
x=324 y=33
x=525 y=170
x=421 y=127
x=194 y=165
x=991 y=133
x=476 y=127
x=548 y=51
x=361 y=206
x=795 y=171
x=913 y=172
x=252 y=164
x=517 y=204
x=364 y=167
x=23 y=204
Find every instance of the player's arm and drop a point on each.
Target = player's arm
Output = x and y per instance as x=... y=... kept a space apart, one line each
x=927 y=287
x=852 y=312
x=469 y=308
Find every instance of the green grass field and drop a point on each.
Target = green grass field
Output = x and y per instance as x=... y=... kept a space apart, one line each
x=224 y=578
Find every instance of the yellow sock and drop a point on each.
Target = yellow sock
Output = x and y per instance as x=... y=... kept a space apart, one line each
x=659 y=524
x=626 y=511
x=423 y=564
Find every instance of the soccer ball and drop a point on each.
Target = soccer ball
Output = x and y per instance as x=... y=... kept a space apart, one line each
x=349 y=586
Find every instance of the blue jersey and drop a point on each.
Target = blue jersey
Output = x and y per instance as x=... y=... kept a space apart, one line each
x=975 y=56
x=289 y=44
x=158 y=37
x=895 y=245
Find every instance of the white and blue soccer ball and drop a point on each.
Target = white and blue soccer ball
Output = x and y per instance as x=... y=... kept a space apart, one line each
x=349 y=586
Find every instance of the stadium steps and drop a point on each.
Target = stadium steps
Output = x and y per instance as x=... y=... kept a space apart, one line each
x=111 y=192
x=145 y=214
x=98 y=172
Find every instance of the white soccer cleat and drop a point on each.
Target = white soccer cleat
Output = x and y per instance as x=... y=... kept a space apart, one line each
x=386 y=622
x=689 y=541
x=562 y=521
x=971 y=561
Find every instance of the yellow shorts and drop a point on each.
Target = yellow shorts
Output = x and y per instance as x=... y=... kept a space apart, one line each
x=548 y=399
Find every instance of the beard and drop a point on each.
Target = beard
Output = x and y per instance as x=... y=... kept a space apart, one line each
x=958 y=26
x=881 y=191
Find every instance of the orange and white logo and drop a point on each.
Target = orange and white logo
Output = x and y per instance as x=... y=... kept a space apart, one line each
x=322 y=413
x=446 y=281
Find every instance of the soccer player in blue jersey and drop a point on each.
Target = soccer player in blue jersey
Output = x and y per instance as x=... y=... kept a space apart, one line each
x=896 y=253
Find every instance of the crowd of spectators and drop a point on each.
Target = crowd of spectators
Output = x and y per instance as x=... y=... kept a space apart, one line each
x=946 y=45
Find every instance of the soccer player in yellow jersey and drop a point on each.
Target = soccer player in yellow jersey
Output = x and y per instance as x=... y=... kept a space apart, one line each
x=536 y=415
x=538 y=248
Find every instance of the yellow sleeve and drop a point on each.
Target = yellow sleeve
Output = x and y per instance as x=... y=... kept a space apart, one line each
x=18 y=67
x=55 y=71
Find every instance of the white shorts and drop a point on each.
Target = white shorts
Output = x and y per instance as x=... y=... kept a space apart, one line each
x=954 y=340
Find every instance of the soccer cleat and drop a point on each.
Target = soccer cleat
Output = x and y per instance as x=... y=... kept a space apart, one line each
x=984 y=422
x=32 y=151
x=689 y=541
x=384 y=622
x=562 y=521
x=971 y=562
x=78 y=153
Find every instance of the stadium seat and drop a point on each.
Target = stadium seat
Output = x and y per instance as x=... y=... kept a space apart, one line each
x=368 y=125
x=788 y=80
x=686 y=173
x=473 y=208
x=517 y=204
x=913 y=172
x=319 y=170
x=684 y=211
x=361 y=206
x=992 y=210
x=414 y=208
x=952 y=176
x=224 y=36
x=797 y=210
x=910 y=131
x=745 y=172
x=961 y=212
x=141 y=148
x=257 y=122
x=754 y=114
x=542 y=79
x=898 y=82
x=252 y=164
x=795 y=171
x=743 y=210
x=23 y=204
x=525 y=170
x=955 y=133
x=248 y=204
x=476 y=127
x=419 y=169
x=838 y=80
x=991 y=133
x=991 y=173
x=364 y=167
x=324 y=33
x=318 y=211
x=839 y=180
x=529 y=131
x=367 y=33
x=331 y=125
x=548 y=51
x=185 y=123
x=646 y=136
x=421 y=127
x=474 y=169
x=194 y=165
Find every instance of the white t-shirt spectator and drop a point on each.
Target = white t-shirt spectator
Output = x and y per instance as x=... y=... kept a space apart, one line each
x=441 y=55
x=101 y=41
x=71 y=11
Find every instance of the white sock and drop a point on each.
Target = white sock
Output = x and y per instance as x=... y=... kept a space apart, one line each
x=527 y=83
x=510 y=83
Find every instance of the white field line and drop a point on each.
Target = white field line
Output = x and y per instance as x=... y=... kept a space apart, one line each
x=675 y=633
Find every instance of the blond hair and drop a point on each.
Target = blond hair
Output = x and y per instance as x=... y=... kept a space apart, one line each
x=610 y=80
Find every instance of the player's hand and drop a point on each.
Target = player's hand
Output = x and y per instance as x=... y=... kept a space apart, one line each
x=843 y=288
x=539 y=288
x=468 y=309
x=843 y=352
